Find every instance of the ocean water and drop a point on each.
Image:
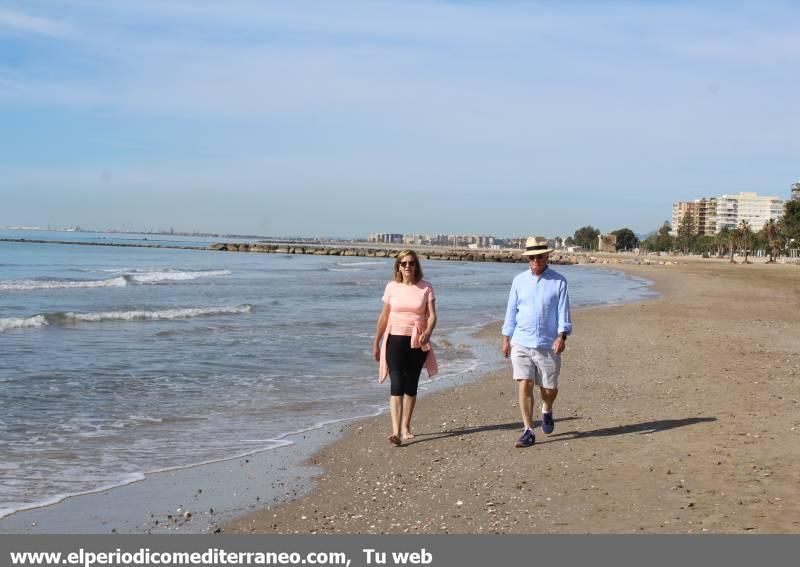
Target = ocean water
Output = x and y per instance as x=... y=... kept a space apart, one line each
x=117 y=362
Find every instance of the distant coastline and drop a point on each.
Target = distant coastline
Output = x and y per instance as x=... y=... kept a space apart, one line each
x=371 y=251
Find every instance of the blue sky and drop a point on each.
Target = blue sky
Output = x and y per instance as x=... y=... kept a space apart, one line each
x=345 y=118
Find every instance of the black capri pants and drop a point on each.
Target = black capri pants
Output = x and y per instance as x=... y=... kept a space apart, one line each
x=405 y=365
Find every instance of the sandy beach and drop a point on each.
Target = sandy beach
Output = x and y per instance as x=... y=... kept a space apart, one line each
x=678 y=415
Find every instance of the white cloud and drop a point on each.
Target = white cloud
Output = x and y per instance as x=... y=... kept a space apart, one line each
x=34 y=24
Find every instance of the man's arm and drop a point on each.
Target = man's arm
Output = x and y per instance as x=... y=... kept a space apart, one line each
x=564 y=319
x=510 y=321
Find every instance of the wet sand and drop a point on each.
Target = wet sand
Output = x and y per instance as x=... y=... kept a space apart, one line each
x=676 y=415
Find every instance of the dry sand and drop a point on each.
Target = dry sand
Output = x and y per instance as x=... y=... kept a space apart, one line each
x=675 y=415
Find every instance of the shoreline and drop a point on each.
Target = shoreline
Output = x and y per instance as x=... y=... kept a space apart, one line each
x=249 y=481
x=157 y=502
x=675 y=416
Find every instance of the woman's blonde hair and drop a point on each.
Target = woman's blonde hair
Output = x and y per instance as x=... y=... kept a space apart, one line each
x=398 y=275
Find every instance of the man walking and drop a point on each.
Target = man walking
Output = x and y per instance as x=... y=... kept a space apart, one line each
x=535 y=333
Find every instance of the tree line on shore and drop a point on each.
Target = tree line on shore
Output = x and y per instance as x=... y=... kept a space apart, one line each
x=773 y=239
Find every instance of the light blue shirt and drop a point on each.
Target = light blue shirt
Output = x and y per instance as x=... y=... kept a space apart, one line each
x=538 y=309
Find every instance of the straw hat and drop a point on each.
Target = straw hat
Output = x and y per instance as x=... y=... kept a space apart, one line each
x=536 y=245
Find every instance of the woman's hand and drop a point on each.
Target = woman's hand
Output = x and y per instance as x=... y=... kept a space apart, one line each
x=376 y=352
x=424 y=337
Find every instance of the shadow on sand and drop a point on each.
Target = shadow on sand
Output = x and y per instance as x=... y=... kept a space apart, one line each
x=641 y=428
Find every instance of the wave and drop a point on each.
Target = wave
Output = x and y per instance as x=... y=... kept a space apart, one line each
x=126 y=277
x=361 y=263
x=165 y=314
x=27 y=285
x=10 y=323
x=172 y=276
x=62 y=318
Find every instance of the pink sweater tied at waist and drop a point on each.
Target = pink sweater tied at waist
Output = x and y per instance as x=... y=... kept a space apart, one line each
x=430 y=361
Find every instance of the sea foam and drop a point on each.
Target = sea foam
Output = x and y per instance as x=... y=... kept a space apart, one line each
x=61 y=318
x=164 y=314
x=10 y=323
x=125 y=278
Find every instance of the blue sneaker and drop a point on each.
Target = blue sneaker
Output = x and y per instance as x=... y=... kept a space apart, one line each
x=527 y=439
x=548 y=423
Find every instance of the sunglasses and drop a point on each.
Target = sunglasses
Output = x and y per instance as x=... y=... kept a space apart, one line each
x=411 y=263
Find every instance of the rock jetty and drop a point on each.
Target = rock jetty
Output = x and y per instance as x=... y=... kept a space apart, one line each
x=428 y=254
x=455 y=255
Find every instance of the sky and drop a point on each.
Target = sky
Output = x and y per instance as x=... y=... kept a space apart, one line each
x=319 y=118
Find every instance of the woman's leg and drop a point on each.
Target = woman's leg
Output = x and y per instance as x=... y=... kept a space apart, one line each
x=416 y=359
x=396 y=355
x=396 y=411
x=408 y=409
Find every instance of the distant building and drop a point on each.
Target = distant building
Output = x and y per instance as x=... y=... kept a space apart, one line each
x=484 y=241
x=385 y=238
x=751 y=207
x=796 y=191
x=680 y=210
x=703 y=213
x=606 y=242
x=711 y=214
x=707 y=216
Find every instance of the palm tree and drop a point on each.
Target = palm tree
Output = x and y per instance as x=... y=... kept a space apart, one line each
x=729 y=236
x=773 y=243
x=744 y=234
x=720 y=239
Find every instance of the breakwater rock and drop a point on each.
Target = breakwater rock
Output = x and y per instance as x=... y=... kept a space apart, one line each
x=455 y=255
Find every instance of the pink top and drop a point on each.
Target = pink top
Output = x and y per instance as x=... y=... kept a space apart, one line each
x=408 y=316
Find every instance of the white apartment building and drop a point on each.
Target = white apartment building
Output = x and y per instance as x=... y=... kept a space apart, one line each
x=755 y=209
x=796 y=191
x=385 y=238
x=712 y=214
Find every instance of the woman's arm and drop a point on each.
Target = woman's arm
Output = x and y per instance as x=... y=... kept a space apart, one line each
x=425 y=336
x=380 y=329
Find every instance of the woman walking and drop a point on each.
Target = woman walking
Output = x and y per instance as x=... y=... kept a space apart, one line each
x=402 y=340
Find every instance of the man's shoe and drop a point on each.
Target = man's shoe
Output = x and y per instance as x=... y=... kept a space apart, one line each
x=527 y=439
x=548 y=423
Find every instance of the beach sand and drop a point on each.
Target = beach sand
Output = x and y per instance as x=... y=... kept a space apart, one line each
x=675 y=415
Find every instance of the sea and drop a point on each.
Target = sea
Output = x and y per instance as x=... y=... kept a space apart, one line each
x=119 y=362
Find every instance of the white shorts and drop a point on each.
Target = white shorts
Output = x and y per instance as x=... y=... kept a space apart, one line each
x=542 y=365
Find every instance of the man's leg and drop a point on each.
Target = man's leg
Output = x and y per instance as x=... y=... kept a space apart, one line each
x=548 y=398
x=548 y=364
x=525 y=375
x=525 y=395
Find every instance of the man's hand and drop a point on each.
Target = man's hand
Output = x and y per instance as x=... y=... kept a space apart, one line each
x=505 y=346
x=559 y=345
